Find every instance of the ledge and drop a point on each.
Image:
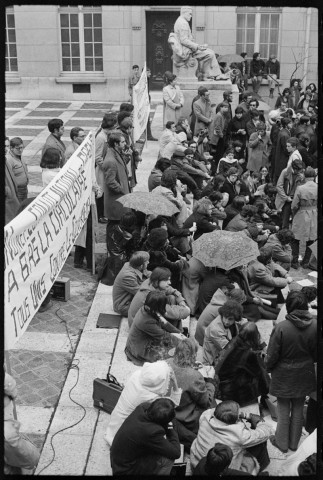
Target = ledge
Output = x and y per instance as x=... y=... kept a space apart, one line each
x=264 y=81
x=80 y=79
x=12 y=78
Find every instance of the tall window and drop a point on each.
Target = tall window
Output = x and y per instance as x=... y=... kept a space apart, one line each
x=11 y=48
x=81 y=39
x=258 y=30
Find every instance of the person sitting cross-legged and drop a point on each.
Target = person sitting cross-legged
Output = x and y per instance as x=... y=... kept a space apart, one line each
x=248 y=443
x=128 y=281
x=147 y=442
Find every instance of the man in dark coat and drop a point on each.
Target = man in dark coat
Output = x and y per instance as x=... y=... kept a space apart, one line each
x=202 y=110
x=116 y=177
x=146 y=443
x=56 y=128
x=281 y=154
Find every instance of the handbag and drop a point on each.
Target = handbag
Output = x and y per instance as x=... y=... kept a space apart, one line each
x=106 y=392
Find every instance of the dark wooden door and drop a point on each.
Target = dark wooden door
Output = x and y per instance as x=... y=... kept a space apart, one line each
x=158 y=27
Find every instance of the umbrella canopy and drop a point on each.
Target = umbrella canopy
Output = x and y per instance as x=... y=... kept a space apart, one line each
x=224 y=249
x=230 y=58
x=263 y=106
x=149 y=203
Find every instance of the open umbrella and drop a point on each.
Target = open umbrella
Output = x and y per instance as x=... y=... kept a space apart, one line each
x=149 y=203
x=230 y=58
x=224 y=249
x=263 y=106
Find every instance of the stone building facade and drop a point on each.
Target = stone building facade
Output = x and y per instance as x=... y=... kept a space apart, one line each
x=86 y=53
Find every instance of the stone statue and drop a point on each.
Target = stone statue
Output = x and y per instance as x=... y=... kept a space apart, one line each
x=185 y=50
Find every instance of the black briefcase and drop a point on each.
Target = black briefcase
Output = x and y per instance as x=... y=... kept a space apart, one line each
x=106 y=392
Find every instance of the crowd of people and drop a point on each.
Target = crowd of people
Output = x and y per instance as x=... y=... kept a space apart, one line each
x=223 y=170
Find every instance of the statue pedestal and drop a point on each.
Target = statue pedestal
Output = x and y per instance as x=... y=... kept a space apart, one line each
x=190 y=86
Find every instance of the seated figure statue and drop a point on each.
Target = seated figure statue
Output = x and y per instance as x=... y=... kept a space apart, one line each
x=186 y=50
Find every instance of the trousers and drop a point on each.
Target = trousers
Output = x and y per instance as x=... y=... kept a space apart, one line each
x=290 y=422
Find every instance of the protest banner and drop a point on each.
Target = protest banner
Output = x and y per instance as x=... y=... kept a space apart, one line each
x=141 y=105
x=38 y=241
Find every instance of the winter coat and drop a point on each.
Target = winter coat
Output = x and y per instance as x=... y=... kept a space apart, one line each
x=154 y=179
x=203 y=224
x=251 y=128
x=257 y=68
x=281 y=254
x=54 y=142
x=237 y=224
x=101 y=148
x=237 y=436
x=140 y=437
x=216 y=338
x=291 y=354
x=11 y=200
x=242 y=375
x=116 y=184
x=183 y=164
x=217 y=128
x=258 y=152
x=272 y=67
x=224 y=165
x=304 y=209
x=191 y=279
x=197 y=395
x=173 y=311
x=125 y=287
x=281 y=153
x=172 y=96
x=230 y=189
x=20 y=171
x=143 y=385
x=234 y=125
x=209 y=313
x=203 y=114
x=230 y=212
x=286 y=186
x=209 y=285
x=131 y=156
x=261 y=277
x=146 y=336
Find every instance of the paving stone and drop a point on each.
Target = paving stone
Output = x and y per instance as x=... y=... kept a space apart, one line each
x=66 y=461
x=97 y=106
x=97 y=113
x=16 y=104
x=32 y=122
x=84 y=123
x=49 y=113
x=61 y=105
x=12 y=132
x=48 y=391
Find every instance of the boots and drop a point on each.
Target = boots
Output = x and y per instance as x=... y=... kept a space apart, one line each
x=149 y=134
x=295 y=251
x=271 y=94
x=307 y=256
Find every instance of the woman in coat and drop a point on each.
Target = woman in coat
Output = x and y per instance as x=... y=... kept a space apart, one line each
x=237 y=129
x=241 y=371
x=226 y=162
x=304 y=210
x=291 y=354
x=159 y=280
x=229 y=186
x=258 y=149
x=173 y=99
x=148 y=339
x=197 y=395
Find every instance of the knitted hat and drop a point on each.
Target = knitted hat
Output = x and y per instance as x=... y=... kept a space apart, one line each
x=157 y=238
x=155 y=377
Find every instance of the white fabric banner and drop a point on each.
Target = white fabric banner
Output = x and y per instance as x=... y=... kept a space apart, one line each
x=141 y=105
x=39 y=239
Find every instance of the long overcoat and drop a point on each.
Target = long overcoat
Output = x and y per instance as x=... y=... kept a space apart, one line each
x=116 y=184
x=304 y=208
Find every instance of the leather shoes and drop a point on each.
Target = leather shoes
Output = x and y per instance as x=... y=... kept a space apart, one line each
x=103 y=220
x=152 y=139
